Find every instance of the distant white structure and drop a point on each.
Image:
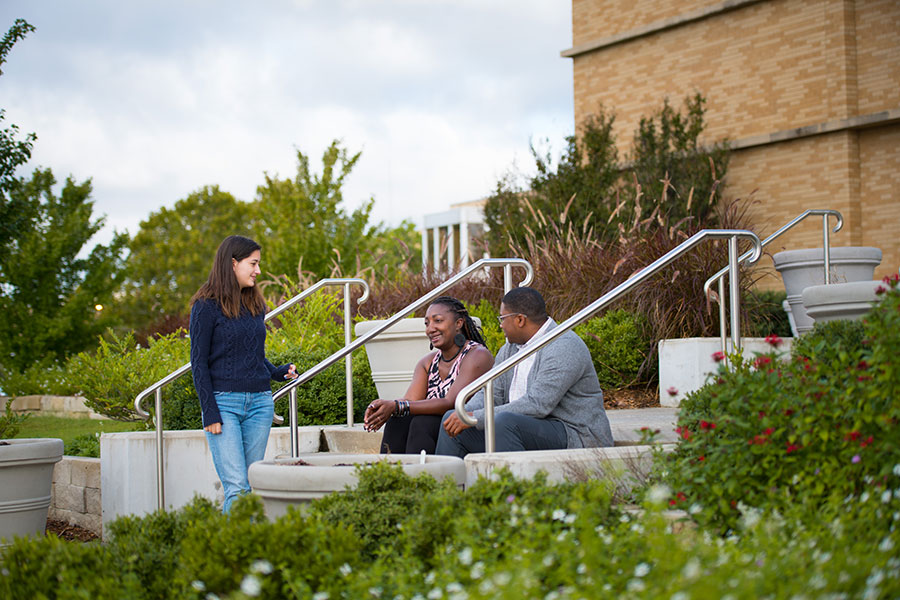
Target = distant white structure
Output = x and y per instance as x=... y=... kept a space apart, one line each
x=447 y=237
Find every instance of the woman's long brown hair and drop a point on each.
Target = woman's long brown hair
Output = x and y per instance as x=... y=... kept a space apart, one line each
x=222 y=285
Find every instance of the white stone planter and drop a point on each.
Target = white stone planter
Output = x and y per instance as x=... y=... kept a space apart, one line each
x=685 y=363
x=26 y=472
x=801 y=269
x=840 y=301
x=393 y=353
x=287 y=481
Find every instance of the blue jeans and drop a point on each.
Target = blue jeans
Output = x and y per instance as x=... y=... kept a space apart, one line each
x=514 y=432
x=246 y=421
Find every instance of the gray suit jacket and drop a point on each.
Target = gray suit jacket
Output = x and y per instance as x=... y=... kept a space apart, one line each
x=562 y=385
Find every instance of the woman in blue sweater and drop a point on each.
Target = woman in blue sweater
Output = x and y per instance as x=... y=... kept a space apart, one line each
x=231 y=373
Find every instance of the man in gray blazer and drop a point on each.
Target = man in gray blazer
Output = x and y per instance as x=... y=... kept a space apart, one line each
x=550 y=400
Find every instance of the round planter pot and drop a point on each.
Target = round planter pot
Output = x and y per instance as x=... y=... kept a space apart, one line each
x=801 y=269
x=289 y=481
x=393 y=353
x=26 y=475
x=840 y=301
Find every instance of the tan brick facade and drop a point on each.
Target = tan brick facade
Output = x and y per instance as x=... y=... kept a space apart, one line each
x=767 y=68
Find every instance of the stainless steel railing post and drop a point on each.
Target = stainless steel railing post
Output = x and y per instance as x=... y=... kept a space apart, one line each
x=295 y=434
x=722 y=326
x=507 y=279
x=490 y=439
x=826 y=249
x=160 y=464
x=734 y=280
x=348 y=364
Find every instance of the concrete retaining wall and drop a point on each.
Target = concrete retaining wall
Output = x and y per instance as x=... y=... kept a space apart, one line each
x=75 y=494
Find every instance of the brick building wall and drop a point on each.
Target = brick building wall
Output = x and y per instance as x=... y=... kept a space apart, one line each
x=807 y=92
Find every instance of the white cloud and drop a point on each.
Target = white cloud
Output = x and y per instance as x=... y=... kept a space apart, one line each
x=155 y=100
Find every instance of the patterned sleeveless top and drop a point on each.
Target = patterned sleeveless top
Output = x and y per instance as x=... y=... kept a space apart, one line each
x=437 y=387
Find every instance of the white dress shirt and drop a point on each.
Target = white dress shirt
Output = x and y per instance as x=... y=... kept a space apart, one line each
x=519 y=384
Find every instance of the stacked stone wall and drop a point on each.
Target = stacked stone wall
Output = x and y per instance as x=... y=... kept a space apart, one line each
x=75 y=495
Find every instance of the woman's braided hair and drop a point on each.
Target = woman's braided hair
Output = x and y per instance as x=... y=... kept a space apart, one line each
x=470 y=330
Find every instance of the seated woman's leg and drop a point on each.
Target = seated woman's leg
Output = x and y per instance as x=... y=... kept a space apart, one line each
x=423 y=434
x=396 y=432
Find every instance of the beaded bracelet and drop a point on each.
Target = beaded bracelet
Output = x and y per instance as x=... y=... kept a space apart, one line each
x=401 y=408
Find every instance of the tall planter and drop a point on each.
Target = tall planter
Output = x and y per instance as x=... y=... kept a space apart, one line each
x=26 y=474
x=393 y=353
x=840 y=301
x=801 y=269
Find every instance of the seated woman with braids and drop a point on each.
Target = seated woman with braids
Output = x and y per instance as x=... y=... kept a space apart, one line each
x=414 y=421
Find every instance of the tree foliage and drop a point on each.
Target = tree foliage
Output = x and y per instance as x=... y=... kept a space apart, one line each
x=172 y=252
x=14 y=152
x=580 y=187
x=48 y=289
x=302 y=223
x=668 y=174
x=669 y=164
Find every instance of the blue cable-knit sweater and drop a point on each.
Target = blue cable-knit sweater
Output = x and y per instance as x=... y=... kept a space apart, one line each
x=228 y=355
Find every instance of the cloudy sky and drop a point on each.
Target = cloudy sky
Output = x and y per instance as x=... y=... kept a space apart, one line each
x=155 y=99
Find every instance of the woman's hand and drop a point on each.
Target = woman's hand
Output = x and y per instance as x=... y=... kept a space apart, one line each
x=292 y=372
x=377 y=414
x=214 y=428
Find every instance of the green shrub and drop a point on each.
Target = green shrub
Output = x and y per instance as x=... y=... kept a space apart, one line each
x=87 y=444
x=490 y=328
x=619 y=346
x=773 y=435
x=320 y=401
x=112 y=377
x=315 y=325
x=44 y=378
x=47 y=567
x=11 y=421
x=765 y=314
x=828 y=341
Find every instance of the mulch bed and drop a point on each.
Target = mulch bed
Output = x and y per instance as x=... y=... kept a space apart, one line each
x=631 y=398
x=70 y=533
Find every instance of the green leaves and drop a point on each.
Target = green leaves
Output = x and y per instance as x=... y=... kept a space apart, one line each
x=49 y=291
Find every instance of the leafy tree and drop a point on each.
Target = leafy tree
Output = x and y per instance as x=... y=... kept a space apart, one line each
x=14 y=152
x=669 y=174
x=47 y=291
x=670 y=164
x=303 y=228
x=580 y=188
x=171 y=255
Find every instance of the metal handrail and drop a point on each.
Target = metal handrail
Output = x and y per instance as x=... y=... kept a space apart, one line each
x=719 y=276
x=486 y=380
x=291 y=388
x=157 y=387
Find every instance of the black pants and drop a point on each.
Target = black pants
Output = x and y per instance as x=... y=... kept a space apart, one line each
x=411 y=434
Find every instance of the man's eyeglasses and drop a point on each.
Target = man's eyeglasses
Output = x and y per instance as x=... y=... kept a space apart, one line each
x=501 y=317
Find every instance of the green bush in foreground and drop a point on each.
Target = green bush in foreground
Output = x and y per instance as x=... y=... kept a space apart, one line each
x=773 y=434
x=499 y=539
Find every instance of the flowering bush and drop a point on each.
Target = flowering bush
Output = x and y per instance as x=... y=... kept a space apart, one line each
x=773 y=434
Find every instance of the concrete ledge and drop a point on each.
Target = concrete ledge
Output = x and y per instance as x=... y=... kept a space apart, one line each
x=352 y=440
x=623 y=464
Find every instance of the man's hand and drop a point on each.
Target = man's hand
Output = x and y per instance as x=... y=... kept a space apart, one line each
x=454 y=425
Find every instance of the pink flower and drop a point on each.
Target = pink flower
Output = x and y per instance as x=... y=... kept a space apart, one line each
x=762 y=361
x=792 y=447
x=855 y=459
x=673 y=391
x=880 y=290
x=718 y=356
x=773 y=340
